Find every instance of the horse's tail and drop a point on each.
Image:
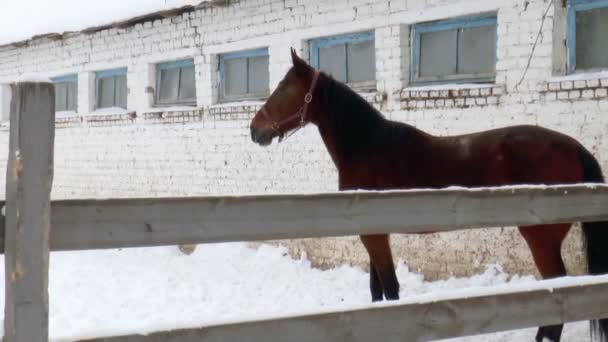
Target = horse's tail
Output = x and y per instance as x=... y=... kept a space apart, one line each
x=596 y=239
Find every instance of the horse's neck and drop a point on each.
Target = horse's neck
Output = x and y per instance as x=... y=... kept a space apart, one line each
x=346 y=141
x=352 y=130
x=351 y=145
x=331 y=143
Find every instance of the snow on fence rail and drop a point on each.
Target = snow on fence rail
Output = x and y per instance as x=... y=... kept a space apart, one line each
x=93 y=224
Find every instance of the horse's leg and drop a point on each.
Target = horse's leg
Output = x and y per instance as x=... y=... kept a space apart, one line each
x=374 y=283
x=545 y=242
x=381 y=260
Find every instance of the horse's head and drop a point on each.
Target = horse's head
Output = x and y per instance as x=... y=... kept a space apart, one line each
x=287 y=108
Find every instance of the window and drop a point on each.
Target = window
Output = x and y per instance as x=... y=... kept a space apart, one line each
x=244 y=75
x=111 y=88
x=587 y=32
x=347 y=58
x=175 y=83
x=455 y=50
x=66 y=93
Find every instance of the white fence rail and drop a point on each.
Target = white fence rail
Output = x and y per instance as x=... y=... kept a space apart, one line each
x=96 y=224
x=548 y=302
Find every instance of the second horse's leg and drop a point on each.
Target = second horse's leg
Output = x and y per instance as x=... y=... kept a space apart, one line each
x=381 y=261
x=545 y=242
x=374 y=284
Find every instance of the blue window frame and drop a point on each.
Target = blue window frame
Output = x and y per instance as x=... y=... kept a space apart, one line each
x=454 y=50
x=586 y=37
x=244 y=75
x=66 y=93
x=348 y=58
x=111 y=88
x=175 y=83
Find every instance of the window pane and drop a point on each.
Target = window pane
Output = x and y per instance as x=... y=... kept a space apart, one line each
x=72 y=88
x=235 y=76
x=591 y=39
x=437 y=55
x=60 y=97
x=187 y=90
x=105 y=92
x=169 y=79
x=121 y=91
x=258 y=75
x=361 y=61
x=476 y=50
x=332 y=60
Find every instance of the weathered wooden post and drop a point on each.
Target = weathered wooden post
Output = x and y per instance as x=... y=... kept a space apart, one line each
x=28 y=185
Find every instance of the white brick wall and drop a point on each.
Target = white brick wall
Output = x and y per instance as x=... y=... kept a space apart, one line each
x=185 y=151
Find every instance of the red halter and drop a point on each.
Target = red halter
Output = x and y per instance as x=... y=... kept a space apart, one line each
x=299 y=114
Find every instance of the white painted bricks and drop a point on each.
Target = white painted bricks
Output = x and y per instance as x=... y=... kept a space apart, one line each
x=575 y=90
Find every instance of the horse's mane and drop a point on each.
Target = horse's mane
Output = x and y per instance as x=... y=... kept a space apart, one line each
x=356 y=124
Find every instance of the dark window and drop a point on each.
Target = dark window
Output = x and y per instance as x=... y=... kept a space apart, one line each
x=244 y=75
x=455 y=50
x=66 y=93
x=348 y=58
x=175 y=83
x=111 y=89
x=587 y=35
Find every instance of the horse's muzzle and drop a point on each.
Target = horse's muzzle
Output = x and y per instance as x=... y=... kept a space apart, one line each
x=261 y=137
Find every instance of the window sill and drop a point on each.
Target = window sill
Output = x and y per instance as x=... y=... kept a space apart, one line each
x=176 y=108
x=580 y=76
x=177 y=114
x=235 y=110
x=575 y=87
x=65 y=114
x=65 y=119
x=236 y=103
x=363 y=87
x=236 y=99
x=113 y=115
x=451 y=96
x=109 y=111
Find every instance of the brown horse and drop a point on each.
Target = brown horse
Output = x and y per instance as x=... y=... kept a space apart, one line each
x=373 y=153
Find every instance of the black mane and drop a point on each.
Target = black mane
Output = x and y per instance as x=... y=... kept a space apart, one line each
x=359 y=128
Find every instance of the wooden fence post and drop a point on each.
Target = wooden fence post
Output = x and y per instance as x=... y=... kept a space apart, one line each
x=28 y=186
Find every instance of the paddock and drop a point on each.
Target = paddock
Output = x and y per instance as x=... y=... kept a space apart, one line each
x=35 y=225
x=203 y=149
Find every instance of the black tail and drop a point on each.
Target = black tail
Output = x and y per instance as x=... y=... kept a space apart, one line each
x=596 y=240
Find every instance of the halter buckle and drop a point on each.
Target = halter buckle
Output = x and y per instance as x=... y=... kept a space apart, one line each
x=275 y=126
x=308 y=98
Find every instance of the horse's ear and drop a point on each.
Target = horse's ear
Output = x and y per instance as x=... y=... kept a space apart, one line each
x=300 y=65
x=294 y=56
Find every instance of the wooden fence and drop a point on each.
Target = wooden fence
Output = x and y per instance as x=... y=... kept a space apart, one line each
x=94 y=224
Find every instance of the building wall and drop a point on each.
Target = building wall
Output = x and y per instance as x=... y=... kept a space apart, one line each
x=148 y=151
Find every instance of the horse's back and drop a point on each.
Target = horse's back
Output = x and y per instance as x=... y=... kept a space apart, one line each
x=514 y=155
x=410 y=158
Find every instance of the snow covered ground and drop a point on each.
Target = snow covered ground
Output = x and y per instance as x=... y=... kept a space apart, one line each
x=115 y=292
